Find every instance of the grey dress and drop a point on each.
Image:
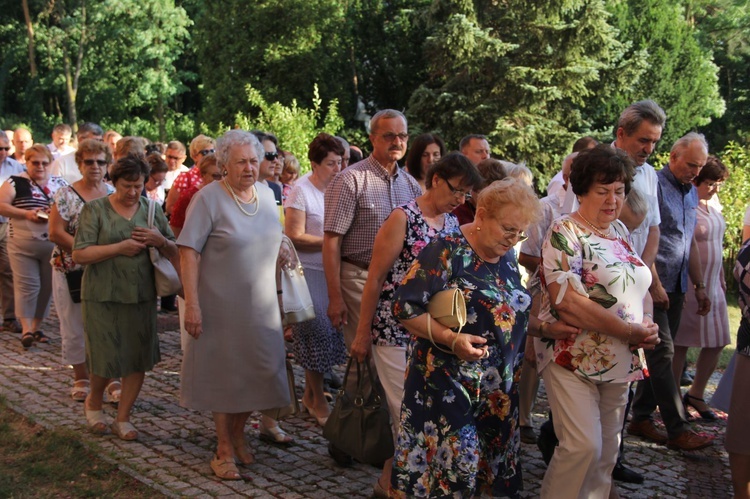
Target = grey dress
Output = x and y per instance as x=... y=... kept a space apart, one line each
x=238 y=363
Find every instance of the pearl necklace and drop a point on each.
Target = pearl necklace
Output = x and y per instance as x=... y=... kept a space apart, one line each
x=239 y=202
x=596 y=229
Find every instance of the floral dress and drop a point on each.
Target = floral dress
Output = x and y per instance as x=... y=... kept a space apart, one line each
x=459 y=419
x=386 y=329
x=611 y=274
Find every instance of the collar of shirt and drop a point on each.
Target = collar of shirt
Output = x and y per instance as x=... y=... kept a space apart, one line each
x=685 y=188
x=382 y=170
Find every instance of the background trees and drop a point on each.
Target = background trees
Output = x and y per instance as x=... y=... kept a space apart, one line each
x=533 y=75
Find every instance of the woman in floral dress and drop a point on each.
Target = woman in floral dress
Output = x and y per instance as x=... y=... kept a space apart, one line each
x=402 y=237
x=459 y=417
x=593 y=279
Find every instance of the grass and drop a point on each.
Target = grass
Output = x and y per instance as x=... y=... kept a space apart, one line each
x=734 y=323
x=36 y=462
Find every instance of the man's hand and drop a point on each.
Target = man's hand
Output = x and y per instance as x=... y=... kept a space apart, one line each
x=704 y=304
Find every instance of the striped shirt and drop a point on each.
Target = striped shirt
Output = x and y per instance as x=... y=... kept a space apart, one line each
x=30 y=196
x=359 y=199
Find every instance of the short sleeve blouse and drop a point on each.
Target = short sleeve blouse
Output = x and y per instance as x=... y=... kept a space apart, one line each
x=309 y=199
x=612 y=274
x=30 y=196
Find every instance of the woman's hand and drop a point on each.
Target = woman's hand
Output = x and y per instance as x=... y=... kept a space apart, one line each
x=149 y=237
x=193 y=320
x=645 y=335
x=37 y=216
x=561 y=330
x=361 y=345
x=470 y=348
x=130 y=247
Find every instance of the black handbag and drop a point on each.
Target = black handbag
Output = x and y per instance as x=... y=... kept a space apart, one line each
x=360 y=426
x=74 y=278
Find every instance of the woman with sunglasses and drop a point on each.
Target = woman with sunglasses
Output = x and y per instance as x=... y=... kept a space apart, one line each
x=26 y=199
x=93 y=157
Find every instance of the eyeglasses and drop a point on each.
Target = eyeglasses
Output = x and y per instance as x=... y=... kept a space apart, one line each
x=39 y=163
x=4 y=148
x=711 y=184
x=177 y=158
x=457 y=192
x=515 y=234
x=390 y=137
x=92 y=162
x=270 y=156
x=206 y=152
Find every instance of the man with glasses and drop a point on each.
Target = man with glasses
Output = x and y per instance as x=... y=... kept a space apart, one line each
x=8 y=167
x=65 y=166
x=357 y=201
x=175 y=157
x=200 y=147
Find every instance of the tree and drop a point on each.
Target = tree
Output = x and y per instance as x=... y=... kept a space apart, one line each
x=519 y=73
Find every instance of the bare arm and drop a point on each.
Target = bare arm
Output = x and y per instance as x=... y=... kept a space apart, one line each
x=463 y=344
x=652 y=245
x=57 y=230
x=332 y=267
x=531 y=263
x=295 y=229
x=189 y=259
x=745 y=233
x=696 y=275
x=385 y=252
x=7 y=195
x=99 y=252
x=172 y=197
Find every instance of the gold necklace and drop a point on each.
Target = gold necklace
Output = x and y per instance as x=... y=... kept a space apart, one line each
x=596 y=229
x=239 y=202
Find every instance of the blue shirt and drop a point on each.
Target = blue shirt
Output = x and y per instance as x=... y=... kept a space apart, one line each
x=677 y=206
x=7 y=168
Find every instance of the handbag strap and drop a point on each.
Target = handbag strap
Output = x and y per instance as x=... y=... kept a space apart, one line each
x=151 y=213
x=429 y=333
x=290 y=244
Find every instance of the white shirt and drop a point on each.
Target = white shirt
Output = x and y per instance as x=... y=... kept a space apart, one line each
x=66 y=167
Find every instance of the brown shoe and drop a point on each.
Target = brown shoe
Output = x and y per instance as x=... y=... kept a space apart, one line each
x=646 y=429
x=689 y=440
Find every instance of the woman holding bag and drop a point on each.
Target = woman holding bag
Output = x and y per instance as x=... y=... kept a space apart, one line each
x=119 y=295
x=93 y=157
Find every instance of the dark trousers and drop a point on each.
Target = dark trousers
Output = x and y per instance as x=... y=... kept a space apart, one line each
x=660 y=387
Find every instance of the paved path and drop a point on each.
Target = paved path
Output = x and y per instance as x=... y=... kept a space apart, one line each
x=175 y=444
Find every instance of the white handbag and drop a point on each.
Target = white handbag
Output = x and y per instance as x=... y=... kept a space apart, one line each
x=296 y=299
x=166 y=278
x=448 y=307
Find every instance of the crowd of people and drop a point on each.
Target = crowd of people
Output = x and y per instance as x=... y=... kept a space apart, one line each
x=598 y=289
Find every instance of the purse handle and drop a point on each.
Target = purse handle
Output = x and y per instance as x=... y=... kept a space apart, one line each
x=290 y=244
x=151 y=213
x=359 y=396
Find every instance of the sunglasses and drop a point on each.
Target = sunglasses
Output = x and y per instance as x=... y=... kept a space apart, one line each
x=39 y=163
x=270 y=156
x=206 y=152
x=92 y=162
x=177 y=158
x=4 y=148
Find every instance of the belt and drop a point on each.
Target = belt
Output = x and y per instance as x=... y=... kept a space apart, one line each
x=363 y=266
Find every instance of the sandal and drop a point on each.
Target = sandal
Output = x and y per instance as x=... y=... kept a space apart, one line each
x=274 y=435
x=124 y=430
x=113 y=392
x=225 y=469
x=96 y=420
x=27 y=339
x=80 y=390
x=40 y=337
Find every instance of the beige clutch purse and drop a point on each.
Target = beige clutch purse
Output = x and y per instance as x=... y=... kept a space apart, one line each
x=449 y=309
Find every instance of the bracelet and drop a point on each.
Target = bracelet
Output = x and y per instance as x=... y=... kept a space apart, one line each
x=279 y=292
x=542 y=327
x=648 y=315
x=700 y=285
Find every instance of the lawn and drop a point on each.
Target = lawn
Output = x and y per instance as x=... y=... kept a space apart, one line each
x=734 y=322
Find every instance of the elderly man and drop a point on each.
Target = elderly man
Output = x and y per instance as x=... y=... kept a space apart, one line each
x=65 y=166
x=21 y=141
x=175 y=158
x=475 y=147
x=357 y=202
x=677 y=257
x=8 y=167
x=60 y=144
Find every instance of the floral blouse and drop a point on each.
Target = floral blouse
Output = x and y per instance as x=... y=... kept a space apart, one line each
x=610 y=273
x=69 y=205
x=386 y=329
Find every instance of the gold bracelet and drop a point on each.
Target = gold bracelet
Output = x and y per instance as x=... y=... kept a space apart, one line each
x=542 y=327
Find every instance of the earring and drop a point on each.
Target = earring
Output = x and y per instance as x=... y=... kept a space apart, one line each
x=224 y=172
x=479 y=229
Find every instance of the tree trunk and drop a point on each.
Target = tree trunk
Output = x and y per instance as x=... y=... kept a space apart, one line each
x=160 y=119
x=30 y=32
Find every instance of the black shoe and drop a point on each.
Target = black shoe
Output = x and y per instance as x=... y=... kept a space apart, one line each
x=528 y=435
x=623 y=474
x=341 y=457
x=686 y=379
x=707 y=415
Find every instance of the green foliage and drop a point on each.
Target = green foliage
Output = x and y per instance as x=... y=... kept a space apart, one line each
x=294 y=126
x=735 y=195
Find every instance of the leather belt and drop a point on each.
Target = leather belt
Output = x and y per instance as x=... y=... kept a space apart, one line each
x=363 y=266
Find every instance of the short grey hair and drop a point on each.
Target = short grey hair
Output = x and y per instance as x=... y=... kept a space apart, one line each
x=519 y=171
x=386 y=114
x=633 y=115
x=637 y=202
x=685 y=141
x=236 y=138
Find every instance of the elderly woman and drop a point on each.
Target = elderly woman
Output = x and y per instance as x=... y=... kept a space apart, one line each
x=708 y=332
x=459 y=416
x=425 y=150
x=118 y=293
x=403 y=235
x=593 y=279
x=317 y=345
x=234 y=362
x=200 y=147
x=26 y=199
x=92 y=157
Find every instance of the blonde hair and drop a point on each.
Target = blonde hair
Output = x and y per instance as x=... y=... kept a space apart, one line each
x=510 y=193
x=200 y=143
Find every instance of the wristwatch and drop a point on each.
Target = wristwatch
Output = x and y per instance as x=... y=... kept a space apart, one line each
x=700 y=285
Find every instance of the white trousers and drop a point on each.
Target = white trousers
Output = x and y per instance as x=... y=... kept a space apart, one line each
x=71 y=321
x=390 y=363
x=588 y=419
